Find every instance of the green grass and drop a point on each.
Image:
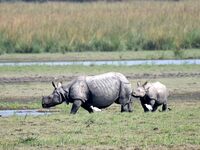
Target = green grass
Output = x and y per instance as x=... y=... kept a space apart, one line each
x=99 y=26
x=75 y=70
x=19 y=104
x=109 y=129
x=124 y=55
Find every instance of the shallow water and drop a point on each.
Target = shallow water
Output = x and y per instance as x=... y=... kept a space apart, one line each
x=117 y=62
x=31 y=112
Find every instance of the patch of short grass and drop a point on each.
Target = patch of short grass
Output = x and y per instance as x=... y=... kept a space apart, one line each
x=107 y=129
x=123 y=55
x=75 y=70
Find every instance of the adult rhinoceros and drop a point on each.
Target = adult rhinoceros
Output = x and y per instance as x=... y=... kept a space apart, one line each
x=90 y=92
x=152 y=95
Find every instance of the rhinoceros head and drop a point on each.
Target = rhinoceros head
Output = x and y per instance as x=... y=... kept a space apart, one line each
x=140 y=91
x=55 y=98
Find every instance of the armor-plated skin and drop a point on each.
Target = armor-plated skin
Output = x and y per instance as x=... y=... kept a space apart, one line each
x=93 y=91
x=152 y=95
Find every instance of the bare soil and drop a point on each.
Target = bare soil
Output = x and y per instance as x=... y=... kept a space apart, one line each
x=69 y=78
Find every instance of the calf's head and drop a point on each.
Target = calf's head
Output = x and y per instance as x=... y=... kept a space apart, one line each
x=140 y=91
x=55 y=98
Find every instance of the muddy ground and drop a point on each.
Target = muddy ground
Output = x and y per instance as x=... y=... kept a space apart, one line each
x=69 y=78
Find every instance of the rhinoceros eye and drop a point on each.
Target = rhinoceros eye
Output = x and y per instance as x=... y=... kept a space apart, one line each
x=140 y=90
x=49 y=97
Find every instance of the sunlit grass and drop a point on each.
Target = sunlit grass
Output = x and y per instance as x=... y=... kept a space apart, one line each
x=176 y=129
x=76 y=70
x=61 y=27
x=122 y=55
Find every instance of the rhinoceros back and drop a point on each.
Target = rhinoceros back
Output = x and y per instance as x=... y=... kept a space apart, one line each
x=104 y=88
x=158 y=91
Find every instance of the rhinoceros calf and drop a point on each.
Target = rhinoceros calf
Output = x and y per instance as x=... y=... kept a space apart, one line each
x=152 y=95
x=92 y=92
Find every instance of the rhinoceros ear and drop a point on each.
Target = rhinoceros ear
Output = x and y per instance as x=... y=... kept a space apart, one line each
x=54 y=85
x=138 y=83
x=59 y=84
x=145 y=83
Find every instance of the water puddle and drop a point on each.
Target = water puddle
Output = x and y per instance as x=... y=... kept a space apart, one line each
x=31 y=112
x=116 y=62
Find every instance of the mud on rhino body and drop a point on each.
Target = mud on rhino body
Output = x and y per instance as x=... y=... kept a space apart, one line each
x=92 y=91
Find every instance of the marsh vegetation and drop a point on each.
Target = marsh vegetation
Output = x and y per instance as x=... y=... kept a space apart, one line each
x=99 y=26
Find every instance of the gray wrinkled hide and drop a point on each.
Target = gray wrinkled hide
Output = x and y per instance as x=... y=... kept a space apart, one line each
x=157 y=91
x=152 y=94
x=107 y=88
x=101 y=90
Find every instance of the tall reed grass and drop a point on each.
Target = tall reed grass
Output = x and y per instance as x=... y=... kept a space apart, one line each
x=99 y=26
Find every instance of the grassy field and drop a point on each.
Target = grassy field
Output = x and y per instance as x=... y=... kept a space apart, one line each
x=75 y=70
x=101 y=26
x=123 y=55
x=109 y=129
x=31 y=82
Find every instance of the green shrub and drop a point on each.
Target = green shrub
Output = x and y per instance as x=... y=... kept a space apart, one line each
x=192 y=39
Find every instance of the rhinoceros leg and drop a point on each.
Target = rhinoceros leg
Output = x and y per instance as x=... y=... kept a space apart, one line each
x=164 y=107
x=130 y=108
x=87 y=107
x=125 y=98
x=143 y=102
x=76 y=105
x=155 y=107
x=125 y=108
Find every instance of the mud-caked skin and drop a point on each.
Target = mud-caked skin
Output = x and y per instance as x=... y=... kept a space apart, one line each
x=89 y=92
x=152 y=95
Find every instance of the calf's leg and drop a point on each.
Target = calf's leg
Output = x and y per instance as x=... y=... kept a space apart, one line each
x=164 y=107
x=143 y=106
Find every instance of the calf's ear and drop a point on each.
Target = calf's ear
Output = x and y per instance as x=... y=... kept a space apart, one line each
x=145 y=83
x=138 y=83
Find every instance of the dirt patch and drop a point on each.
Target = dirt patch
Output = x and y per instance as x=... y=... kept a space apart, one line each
x=192 y=96
x=69 y=78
